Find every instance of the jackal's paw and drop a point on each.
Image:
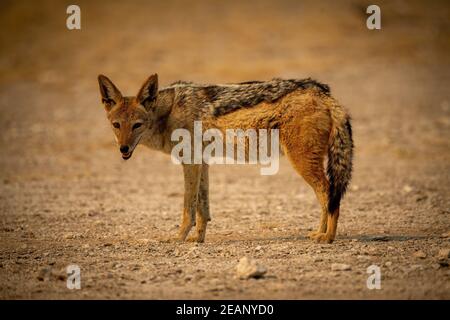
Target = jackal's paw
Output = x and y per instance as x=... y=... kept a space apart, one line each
x=313 y=234
x=184 y=231
x=200 y=238
x=181 y=239
x=191 y=239
x=321 y=237
x=197 y=238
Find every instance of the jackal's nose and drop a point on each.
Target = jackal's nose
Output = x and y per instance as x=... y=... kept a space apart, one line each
x=124 y=149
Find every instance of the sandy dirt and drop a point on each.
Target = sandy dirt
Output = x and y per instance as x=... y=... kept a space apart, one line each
x=67 y=197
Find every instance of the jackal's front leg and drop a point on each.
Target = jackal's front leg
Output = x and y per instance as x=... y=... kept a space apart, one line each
x=192 y=174
x=203 y=215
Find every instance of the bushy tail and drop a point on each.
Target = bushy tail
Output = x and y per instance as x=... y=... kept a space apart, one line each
x=340 y=157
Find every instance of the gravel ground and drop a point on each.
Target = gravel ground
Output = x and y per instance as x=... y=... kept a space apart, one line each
x=66 y=197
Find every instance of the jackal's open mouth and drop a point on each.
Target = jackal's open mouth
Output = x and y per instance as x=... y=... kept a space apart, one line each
x=126 y=156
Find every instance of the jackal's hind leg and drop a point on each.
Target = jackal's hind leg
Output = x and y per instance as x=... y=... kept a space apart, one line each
x=320 y=187
x=315 y=177
x=305 y=148
x=192 y=174
x=329 y=235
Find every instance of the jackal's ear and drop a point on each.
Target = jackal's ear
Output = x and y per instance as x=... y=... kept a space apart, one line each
x=149 y=91
x=110 y=94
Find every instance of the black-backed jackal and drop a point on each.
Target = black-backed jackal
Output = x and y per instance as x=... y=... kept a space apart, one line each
x=312 y=126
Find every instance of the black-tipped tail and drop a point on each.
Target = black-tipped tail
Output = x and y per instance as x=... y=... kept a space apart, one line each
x=340 y=158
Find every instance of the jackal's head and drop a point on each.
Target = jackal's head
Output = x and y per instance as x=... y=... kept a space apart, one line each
x=130 y=117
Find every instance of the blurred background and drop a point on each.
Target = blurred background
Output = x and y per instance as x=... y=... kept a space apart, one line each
x=63 y=185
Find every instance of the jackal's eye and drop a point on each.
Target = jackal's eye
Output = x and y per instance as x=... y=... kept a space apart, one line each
x=137 y=125
x=116 y=125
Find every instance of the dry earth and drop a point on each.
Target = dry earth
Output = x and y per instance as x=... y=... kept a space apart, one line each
x=66 y=197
